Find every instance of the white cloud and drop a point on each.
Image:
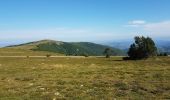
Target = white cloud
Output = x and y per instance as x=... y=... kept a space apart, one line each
x=136 y=23
x=63 y=34
x=159 y=28
x=154 y=29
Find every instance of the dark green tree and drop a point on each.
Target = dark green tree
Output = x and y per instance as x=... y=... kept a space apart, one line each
x=142 y=48
x=165 y=54
x=108 y=52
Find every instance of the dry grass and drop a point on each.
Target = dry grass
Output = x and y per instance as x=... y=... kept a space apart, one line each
x=23 y=52
x=84 y=78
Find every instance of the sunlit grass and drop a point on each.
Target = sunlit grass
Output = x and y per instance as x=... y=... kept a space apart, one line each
x=84 y=78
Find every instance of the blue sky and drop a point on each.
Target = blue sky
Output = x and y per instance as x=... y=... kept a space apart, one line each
x=83 y=20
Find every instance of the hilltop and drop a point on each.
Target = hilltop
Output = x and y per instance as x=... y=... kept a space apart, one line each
x=67 y=48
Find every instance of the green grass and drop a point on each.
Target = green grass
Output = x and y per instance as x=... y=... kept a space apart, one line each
x=84 y=79
x=23 y=52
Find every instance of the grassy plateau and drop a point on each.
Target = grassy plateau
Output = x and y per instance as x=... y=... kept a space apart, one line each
x=91 y=78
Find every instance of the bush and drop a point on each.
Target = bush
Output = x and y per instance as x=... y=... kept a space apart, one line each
x=108 y=52
x=163 y=54
x=126 y=58
x=48 y=55
x=85 y=55
x=121 y=86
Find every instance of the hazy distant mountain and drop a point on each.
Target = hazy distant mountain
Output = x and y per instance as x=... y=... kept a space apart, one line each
x=68 y=48
x=119 y=44
x=162 y=45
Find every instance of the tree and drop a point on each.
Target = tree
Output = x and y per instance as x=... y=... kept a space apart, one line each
x=108 y=52
x=165 y=54
x=142 y=48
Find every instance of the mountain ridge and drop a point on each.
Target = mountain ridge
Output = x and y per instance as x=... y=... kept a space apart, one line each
x=68 y=48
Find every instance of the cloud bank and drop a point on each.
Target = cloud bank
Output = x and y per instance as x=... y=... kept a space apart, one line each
x=136 y=23
x=154 y=29
x=62 y=34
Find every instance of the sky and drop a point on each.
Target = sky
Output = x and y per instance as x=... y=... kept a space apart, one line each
x=83 y=20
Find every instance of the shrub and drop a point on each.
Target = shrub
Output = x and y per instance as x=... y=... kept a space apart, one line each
x=126 y=58
x=121 y=86
x=85 y=55
x=108 y=52
x=48 y=55
x=163 y=54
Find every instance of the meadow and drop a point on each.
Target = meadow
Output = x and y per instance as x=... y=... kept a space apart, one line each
x=90 y=78
x=24 y=52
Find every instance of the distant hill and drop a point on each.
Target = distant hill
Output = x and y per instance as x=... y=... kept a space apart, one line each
x=162 y=45
x=68 y=48
x=120 y=44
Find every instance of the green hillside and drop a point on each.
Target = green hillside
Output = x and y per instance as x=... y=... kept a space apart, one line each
x=68 y=48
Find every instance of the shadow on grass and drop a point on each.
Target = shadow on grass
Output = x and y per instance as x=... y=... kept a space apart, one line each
x=118 y=60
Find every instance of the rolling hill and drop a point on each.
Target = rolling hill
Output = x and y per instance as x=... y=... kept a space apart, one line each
x=67 y=48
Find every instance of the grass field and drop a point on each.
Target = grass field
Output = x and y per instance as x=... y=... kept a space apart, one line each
x=24 y=52
x=84 y=78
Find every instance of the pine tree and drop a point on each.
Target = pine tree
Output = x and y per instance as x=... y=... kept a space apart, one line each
x=142 y=48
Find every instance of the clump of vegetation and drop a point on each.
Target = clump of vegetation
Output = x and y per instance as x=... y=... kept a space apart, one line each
x=121 y=86
x=108 y=52
x=85 y=55
x=48 y=55
x=163 y=54
x=143 y=48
